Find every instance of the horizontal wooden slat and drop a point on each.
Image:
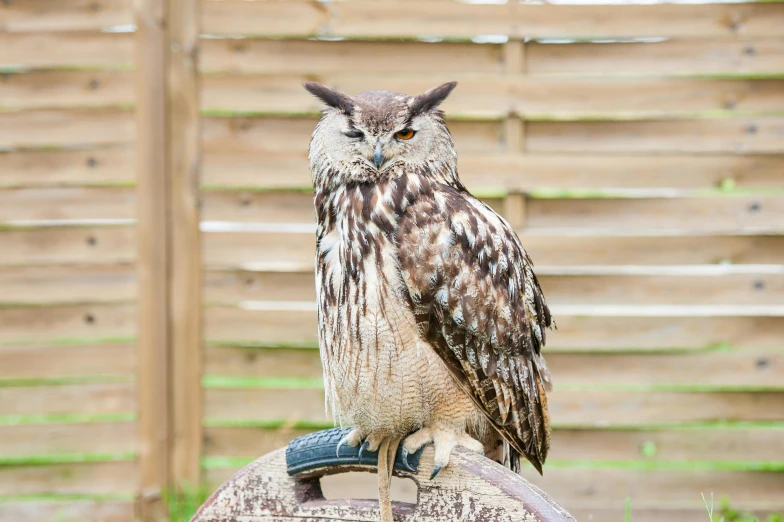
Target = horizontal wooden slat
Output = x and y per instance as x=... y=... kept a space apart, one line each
x=69 y=511
x=328 y=57
x=39 y=439
x=60 y=15
x=662 y=512
x=311 y=57
x=725 y=215
x=64 y=399
x=67 y=284
x=284 y=327
x=524 y=172
x=66 y=49
x=258 y=404
x=730 y=289
x=96 y=478
x=262 y=362
x=741 y=135
x=758 y=367
x=35 y=204
x=352 y=19
x=66 y=89
x=716 y=445
x=66 y=245
x=760 y=214
x=296 y=251
x=683 y=57
x=279 y=135
x=78 y=127
x=497 y=95
x=46 y=361
x=567 y=408
x=100 y=166
x=40 y=324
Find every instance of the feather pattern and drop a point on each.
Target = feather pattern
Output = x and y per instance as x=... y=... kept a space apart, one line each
x=478 y=303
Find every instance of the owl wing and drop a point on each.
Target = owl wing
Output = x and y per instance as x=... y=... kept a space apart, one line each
x=478 y=304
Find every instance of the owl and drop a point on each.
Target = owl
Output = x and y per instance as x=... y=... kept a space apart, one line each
x=430 y=318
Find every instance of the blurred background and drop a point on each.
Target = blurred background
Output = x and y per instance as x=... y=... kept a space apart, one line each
x=157 y=314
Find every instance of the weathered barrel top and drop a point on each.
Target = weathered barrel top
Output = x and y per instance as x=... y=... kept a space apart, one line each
x=471 y=488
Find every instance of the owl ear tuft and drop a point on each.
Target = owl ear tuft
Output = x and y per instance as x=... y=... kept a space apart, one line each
x=432 y=98
x=329 y=96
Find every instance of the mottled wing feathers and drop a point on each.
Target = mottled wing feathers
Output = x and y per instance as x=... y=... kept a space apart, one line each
x=478 y=303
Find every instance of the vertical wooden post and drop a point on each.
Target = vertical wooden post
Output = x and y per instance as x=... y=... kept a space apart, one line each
x=185 y=288
x=169 y=250
x=514 y=129
x=152 y=262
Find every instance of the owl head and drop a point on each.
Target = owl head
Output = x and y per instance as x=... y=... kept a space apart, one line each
x=376 y=135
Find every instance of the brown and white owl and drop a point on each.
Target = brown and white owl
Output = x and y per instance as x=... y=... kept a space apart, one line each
x=431 y=320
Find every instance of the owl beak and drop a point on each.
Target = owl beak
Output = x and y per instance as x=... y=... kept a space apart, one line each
x=378 y=158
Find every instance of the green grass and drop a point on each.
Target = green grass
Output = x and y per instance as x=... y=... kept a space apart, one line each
x=183 y=502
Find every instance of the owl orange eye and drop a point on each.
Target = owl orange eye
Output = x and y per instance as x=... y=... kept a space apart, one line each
x=405 y=134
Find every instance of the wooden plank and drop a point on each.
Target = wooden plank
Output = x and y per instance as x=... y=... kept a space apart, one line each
x=583 y=408
x=66 y=89
x=658 y=513
x=261 y=362
x=749 y=368
x=72 y=203
x=68 y=399
x=92 y=166
x=69 y=511
x=93 y=478
x=739 y=135
x=683 y=57
x=93 y=437
x=294 y=252
x=66 y=49
x=67 y=284
x=221 y=405
x=66 y=322
x=47 y=361
x=718 y=445
x=265 y=56
x=701 y=215
x=650 y=489
x=350 y=19
x=59 y=15
x=673 y=445
x=65 y=128
x=278 y=135
x=184 y=238
x=524 y=172
x=153 y=247
x=728 y=215
x=293 y=327
x=231 y=287
x=493 y=95
x=65 y=245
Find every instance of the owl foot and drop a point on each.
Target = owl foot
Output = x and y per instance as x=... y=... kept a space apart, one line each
x=444 y=442
x=353 y=438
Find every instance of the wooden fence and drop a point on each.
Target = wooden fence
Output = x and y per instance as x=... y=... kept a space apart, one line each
x=157 y=317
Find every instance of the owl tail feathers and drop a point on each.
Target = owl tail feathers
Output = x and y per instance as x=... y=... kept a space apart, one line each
x=386 y=462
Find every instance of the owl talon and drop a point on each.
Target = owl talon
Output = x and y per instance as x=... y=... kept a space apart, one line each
x=406 y=464
x=352 y=438
x=436 y=469
x=362 y=449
